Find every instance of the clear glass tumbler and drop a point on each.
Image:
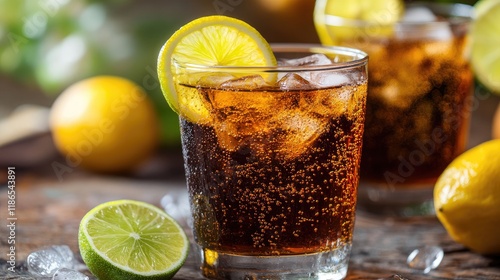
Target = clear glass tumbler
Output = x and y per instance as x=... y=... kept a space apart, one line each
x=272 y=162
x=419 y=97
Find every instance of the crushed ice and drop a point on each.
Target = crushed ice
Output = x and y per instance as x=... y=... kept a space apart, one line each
x=50 y=261
x=176 y=204
x=426 y=258
x=69 y=274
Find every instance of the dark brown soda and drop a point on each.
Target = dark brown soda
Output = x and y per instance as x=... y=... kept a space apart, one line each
x=418 y=110
x=256 y=190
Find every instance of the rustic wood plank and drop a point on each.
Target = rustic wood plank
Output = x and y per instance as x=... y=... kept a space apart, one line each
x=49 y=213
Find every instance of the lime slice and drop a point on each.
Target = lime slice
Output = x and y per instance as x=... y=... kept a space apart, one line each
x=209 y=41
x=485 y=34
x=380 y=15
x=128 y=239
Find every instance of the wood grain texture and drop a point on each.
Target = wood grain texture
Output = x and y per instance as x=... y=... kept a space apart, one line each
x=49 y=213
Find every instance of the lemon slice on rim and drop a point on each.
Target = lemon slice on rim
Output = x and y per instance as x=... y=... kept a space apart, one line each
x=332 y=18
x=485 y=34
x=207 y=41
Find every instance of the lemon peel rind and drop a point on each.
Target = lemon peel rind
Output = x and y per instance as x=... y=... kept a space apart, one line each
x=470 y=207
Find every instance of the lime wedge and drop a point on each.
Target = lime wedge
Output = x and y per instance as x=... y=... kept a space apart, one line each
x=208 y=41
x=128 y=239
x=379 y=15
x=485 y=35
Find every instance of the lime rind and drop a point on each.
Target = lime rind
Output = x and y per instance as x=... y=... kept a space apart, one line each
x=105 y=236
x=208 y=41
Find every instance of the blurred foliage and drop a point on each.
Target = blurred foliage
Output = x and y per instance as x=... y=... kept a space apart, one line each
x=54 y=43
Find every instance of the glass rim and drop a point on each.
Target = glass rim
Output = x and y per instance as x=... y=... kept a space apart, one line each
x=453 y=13
x=359 y=58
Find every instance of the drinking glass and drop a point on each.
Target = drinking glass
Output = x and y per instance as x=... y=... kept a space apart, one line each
x=272 y=162
x=419 y=97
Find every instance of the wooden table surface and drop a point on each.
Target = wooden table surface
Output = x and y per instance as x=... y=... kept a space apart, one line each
x=48 y=211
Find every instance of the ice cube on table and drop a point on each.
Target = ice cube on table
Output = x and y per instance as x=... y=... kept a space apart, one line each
x=176 y=204
x=426 y=258
x=47 y=261
x=414 y=21
x=69 y=274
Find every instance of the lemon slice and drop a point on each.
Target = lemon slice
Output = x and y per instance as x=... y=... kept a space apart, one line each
x=208 y=41
x=380 y=15
x=485 y=34
x=128 y=239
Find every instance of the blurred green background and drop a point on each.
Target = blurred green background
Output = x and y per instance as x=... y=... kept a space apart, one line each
x=46 y=45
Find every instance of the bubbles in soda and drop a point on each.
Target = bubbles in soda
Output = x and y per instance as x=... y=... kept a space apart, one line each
x=276 y=170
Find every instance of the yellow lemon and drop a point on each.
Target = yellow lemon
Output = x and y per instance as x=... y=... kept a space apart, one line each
x=336 y=20
x=207 y=41
x=485 y=36
x=467 y=198
x=104 y=124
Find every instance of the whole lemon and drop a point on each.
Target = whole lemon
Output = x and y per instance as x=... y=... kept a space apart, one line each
x=467 y=198
x=104 y=124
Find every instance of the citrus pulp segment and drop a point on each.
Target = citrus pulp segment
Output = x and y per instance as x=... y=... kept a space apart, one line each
x=207 y=41
x=128 y=239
